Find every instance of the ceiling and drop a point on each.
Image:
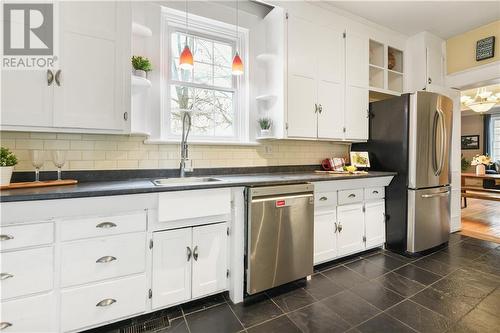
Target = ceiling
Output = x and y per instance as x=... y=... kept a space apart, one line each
x=442 y=18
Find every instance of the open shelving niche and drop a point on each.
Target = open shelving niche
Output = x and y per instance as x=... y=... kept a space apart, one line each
x=385 y=82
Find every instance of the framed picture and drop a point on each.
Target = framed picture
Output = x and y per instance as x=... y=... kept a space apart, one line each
x=360 y=159
x=470 y=142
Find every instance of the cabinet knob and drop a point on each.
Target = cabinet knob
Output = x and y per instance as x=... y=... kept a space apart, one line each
x=6 y=237
x=4 y=325
x=106 y=302
x=195 y=253
x=5 y=276
x=105 y=259
x=50 y=77
x=106 y=225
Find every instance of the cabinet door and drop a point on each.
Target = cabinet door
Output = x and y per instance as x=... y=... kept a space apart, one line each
x=210 y=259
x=356 y=113
x=356 y=102
x=26 y=98
x=89 y=93
x=351 y=229
x=171 y=267
x=302 y=85
x=330 y=83
x=325 y=237
x=375 y=223
x=434 y=62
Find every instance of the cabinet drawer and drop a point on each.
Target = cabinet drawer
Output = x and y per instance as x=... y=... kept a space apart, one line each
x=26 y=272
x=30 y=314
x=193 y=204
x=372 y=193
x=18 y=236
x=350 y=196
x=102 y=225
x=325 y=199
x=85 y=306
x=102 y=258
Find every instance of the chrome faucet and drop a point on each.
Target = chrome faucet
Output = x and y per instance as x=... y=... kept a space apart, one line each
x=186 y=127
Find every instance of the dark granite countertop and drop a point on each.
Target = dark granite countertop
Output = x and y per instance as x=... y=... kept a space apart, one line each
x=135 y=186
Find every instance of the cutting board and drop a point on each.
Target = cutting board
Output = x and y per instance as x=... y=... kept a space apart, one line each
x=44 y=183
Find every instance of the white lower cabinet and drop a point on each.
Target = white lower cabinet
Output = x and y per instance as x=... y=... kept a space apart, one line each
x=188 y=263
x=375 y=223
x=98 y=303
x=325 y=237
x=346 y=222
x=171 y=267
x=26 y=272
x=351 y=225
x=29 y=314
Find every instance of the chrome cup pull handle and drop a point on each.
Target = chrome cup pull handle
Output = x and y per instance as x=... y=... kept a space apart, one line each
x=323 y=199
x=106 y=225
x=195 y=253
x=352 y=195
x=6 y=237
x=105 y=259
x=106 y=302
x=4 y=325
x=189 y=253
x=5 y=276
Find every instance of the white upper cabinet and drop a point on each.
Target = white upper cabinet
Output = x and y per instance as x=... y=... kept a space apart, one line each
x=424 y=57
x=327 y=82
x=26 y=98
x=356 y=96
x=87 y=92
x=302 y=78
x=86 y=89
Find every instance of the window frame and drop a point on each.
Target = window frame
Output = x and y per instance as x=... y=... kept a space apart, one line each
x=174 y=21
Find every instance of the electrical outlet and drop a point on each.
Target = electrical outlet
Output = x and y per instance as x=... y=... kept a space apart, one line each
x=268 y=149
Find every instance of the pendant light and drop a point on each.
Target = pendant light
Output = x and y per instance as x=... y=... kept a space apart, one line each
x=237 y=66
x=186 y=57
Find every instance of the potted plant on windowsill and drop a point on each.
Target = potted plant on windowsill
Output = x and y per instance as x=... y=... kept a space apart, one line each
x=480 y=162
x=141 y=66
x=7 y=162
x=265 y=126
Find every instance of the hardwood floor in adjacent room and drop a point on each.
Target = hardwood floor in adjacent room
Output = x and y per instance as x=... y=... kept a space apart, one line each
x=481 y=219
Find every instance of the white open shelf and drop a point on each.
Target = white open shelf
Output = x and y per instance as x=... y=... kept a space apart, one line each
x=141 y=30
x=266 y=97
x=139 y=84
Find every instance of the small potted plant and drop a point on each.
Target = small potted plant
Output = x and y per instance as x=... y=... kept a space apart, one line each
x=141 y=66
x=7 y=162
x=265 y=126
x=480 y=162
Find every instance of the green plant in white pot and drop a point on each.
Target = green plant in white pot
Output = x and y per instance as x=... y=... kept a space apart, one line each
x=141 y=66
x=7 y=162
x=265 y=126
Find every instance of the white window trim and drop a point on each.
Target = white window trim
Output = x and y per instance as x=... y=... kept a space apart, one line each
x=175 y=20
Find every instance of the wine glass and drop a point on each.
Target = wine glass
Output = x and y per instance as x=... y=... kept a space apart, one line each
x=37 y=159
x=59 y=159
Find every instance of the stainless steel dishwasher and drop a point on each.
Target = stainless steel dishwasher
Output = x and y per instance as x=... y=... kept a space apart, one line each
x=279 y=235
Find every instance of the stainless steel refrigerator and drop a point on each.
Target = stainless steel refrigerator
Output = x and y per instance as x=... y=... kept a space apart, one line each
x=411 y=135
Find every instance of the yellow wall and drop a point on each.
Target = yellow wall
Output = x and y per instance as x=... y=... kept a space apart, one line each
x=461 y=49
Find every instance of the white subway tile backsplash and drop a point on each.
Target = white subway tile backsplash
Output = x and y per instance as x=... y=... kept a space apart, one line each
x=100 y=151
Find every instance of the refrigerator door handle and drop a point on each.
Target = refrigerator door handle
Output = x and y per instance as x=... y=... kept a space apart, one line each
x=433 y=195
x=443 y=141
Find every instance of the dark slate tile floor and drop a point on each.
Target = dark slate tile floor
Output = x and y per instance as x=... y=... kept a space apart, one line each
x=456 y=289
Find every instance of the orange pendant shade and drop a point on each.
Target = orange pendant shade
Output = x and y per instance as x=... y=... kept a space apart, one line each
x=237 y=67
x=186 y=59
